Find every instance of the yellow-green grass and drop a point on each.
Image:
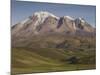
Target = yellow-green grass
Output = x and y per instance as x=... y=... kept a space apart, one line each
x=27 y=60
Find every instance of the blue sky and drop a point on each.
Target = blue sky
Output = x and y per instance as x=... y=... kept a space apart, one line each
x=21 y=10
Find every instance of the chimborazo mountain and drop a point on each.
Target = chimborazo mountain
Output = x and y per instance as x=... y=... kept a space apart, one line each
x=45 y=22
x=44 y=42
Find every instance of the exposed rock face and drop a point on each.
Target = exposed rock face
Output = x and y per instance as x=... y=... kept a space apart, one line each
x=45 y=22
x=81 y=24
x=66 y=24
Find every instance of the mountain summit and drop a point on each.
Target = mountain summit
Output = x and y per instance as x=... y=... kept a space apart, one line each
x=44 y=22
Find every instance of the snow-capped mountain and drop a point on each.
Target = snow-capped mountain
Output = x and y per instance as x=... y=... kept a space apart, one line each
x=44 y=22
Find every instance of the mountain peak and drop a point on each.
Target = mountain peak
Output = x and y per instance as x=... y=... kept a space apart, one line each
x=81 y=19
x=68 y=17
x=44 y=14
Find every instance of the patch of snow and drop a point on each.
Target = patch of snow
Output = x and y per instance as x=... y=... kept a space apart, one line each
x=24 y=21
x=81 y=19
x=43 y=15
x=68 y=17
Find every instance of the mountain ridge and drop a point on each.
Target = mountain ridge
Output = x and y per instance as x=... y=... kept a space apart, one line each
x=45 y=22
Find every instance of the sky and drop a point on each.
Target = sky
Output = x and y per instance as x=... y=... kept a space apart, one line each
x=20 y=10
